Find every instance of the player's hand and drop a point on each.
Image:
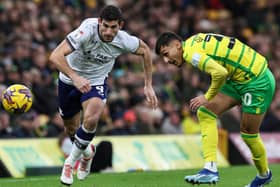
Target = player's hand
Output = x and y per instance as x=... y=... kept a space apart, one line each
x=151 y=96
x=82 y=84
x=197 y=102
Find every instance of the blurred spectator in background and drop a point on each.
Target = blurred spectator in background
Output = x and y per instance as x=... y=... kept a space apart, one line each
x=124 y=125
x=55 y=125
x=172 y=124
x=271 y=122
x=25 y=125
x=5 y=128
x=130 y=121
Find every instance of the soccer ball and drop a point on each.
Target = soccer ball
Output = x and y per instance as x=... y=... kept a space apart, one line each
x=17 y=99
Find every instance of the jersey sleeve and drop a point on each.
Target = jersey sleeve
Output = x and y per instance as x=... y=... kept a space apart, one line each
x=131 y=43
x=80 y=35
x=217 y=72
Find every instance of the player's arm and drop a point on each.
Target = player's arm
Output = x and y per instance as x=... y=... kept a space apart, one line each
x=57 y=57
x=144 y=51
x=218 y=76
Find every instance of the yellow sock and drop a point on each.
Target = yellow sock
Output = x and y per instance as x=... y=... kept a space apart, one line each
x=209 y=133
x=255 y=144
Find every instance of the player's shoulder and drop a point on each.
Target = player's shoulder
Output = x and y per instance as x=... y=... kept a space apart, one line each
x=194 y=39
x=126 y=41
x=89 y=26
x=123 y=35
x=90 y=22
x=199 y=37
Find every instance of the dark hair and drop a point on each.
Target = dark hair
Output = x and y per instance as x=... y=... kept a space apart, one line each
x=164 y=39
x=111 y=13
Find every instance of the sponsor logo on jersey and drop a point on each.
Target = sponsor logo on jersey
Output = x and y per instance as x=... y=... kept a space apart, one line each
x=99 y=58
x=78 y=34
x=198 y=39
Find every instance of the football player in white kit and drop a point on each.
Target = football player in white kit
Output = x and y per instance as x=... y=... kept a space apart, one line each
x=84 y=60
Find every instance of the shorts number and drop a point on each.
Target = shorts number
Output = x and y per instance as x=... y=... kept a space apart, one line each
x=100 y=90
x=247 y=99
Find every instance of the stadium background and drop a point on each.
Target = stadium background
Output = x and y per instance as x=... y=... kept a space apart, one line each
x=31 y=29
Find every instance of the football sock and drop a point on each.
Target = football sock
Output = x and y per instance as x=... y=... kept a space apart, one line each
x=209 y=133
x=72 y=138
x=255 y=144
x=83 y=138
x=212 y=166
x=87 y=151
x=263 y=176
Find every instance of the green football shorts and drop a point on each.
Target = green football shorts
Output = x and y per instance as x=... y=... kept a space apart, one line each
x=255 y=96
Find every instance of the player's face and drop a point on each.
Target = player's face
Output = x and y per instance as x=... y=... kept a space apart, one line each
x=108 y=29
x=172 y=53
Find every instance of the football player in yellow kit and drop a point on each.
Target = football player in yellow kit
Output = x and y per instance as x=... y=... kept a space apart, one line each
x=239 y=76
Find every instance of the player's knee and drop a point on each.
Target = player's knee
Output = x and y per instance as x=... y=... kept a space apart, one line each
x=203 y=113
x=199 y=114
x=249 y=129
x=90 y=122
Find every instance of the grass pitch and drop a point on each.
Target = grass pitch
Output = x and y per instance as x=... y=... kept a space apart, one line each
x=230 y=177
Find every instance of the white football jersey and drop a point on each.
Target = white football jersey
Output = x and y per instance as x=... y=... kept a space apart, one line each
x=92 y=58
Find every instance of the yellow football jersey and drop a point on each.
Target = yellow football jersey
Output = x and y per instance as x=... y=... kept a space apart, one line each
x=214 y=54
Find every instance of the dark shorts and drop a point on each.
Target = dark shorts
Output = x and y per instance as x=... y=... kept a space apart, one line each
x=71 y=99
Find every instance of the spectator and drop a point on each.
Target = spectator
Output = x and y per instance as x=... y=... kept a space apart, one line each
x=55 y=126
x=172 y=124
x=25 y=127
x=5 y=128
x=271 y=121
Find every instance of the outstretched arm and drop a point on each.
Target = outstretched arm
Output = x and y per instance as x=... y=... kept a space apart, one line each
x=144 y=51
x=57 y=57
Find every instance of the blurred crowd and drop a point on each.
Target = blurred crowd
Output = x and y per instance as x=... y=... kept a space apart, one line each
x=31 y=29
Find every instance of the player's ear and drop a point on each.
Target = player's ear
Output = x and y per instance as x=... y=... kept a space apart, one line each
x=121 y=24
x=99 y=21
x=178 y=44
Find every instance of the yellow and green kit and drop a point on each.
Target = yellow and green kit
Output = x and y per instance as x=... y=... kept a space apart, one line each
x=248 y=78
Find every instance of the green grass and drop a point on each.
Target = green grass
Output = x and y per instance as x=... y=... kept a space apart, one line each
x=230 y=177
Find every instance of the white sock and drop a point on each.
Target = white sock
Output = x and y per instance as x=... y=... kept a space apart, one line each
x=88 y=151
x=212 y=166
x=74 y=155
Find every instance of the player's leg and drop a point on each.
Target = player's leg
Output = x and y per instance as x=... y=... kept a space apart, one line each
x=256 y=100
x=250 y=125
x=207 y=116
x=250 y=134
x=69 y=109
x=93 y=106
x=93 y=109
x=71 y=125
